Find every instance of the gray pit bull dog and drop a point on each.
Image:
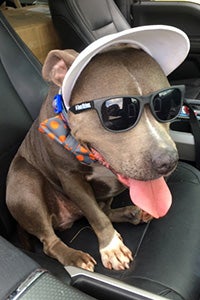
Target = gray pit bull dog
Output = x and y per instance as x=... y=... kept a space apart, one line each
x=123 y=133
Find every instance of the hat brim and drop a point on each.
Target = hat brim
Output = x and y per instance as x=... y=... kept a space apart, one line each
x=168 y=45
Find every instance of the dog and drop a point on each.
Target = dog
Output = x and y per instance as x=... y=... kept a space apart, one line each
x=49 y=187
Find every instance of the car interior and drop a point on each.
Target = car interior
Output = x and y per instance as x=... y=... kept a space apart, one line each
x=166 y=251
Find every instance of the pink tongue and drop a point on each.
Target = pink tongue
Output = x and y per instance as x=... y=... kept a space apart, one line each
x=151 y=196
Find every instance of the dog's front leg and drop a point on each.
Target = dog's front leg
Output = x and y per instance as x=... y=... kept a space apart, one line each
x=114 y=254
x=26 y=200
x=131 y=214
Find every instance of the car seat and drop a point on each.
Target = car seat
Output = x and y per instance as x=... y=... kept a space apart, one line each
x=166 y=251
x=22 y=92
x=78 y=24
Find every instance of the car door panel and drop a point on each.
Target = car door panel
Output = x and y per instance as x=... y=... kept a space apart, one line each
x=183 y=15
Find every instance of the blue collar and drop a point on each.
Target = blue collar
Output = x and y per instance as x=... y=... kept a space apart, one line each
x=59 y=107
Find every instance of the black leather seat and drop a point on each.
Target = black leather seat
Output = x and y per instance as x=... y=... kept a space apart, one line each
x=166 y=250
x=22 y=92
x=78 y=23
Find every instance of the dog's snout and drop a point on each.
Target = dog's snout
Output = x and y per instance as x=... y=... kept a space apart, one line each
x=164 y=162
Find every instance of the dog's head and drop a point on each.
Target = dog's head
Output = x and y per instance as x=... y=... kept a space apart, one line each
x=142 y=149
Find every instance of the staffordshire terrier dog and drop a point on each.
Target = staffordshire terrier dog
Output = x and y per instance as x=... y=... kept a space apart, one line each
x=107 y=129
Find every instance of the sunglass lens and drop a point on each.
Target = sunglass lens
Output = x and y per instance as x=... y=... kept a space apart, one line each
x=167 y=104
x=120 y=113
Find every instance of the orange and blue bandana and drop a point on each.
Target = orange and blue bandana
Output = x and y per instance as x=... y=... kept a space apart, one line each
x=57 y=130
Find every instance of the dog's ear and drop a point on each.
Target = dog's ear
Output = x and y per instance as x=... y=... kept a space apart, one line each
x=56 y=65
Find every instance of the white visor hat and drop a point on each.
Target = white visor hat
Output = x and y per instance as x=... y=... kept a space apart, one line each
x=168 y=45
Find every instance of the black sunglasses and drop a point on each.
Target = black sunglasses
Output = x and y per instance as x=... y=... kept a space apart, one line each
x=121 y=113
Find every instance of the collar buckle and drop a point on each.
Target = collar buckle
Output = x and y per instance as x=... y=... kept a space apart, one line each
x=57 y=104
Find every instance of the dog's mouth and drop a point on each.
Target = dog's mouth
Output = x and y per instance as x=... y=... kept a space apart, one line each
x=152 y=196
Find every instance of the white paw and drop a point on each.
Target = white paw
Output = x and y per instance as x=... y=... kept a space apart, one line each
x=116 y=255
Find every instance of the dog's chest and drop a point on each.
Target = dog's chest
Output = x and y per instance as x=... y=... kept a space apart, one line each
x=103 y=182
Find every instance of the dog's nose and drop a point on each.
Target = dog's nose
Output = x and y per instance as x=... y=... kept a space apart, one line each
x=164 y=162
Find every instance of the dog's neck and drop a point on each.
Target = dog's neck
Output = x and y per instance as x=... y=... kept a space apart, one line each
x=57 y=128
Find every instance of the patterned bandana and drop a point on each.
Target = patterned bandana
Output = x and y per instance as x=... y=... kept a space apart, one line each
x=57 y=130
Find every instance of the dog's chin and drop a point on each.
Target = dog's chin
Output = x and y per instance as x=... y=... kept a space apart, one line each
x=150 y=193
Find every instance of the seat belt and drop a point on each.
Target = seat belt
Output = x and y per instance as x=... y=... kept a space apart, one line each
x=195 y=128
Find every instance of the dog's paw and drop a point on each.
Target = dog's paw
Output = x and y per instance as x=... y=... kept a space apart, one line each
x=82 y=260
x=116 y=255
x=146 y=217
x=136 y=215
x=133 y=214
x=85 y=261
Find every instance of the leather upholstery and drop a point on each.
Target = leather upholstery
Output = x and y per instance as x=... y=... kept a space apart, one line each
x=166 y=250
x=22 y=92
x=78 y=25
x=15 y=268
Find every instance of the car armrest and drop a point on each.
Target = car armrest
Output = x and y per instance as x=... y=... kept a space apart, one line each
x=105 y=287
